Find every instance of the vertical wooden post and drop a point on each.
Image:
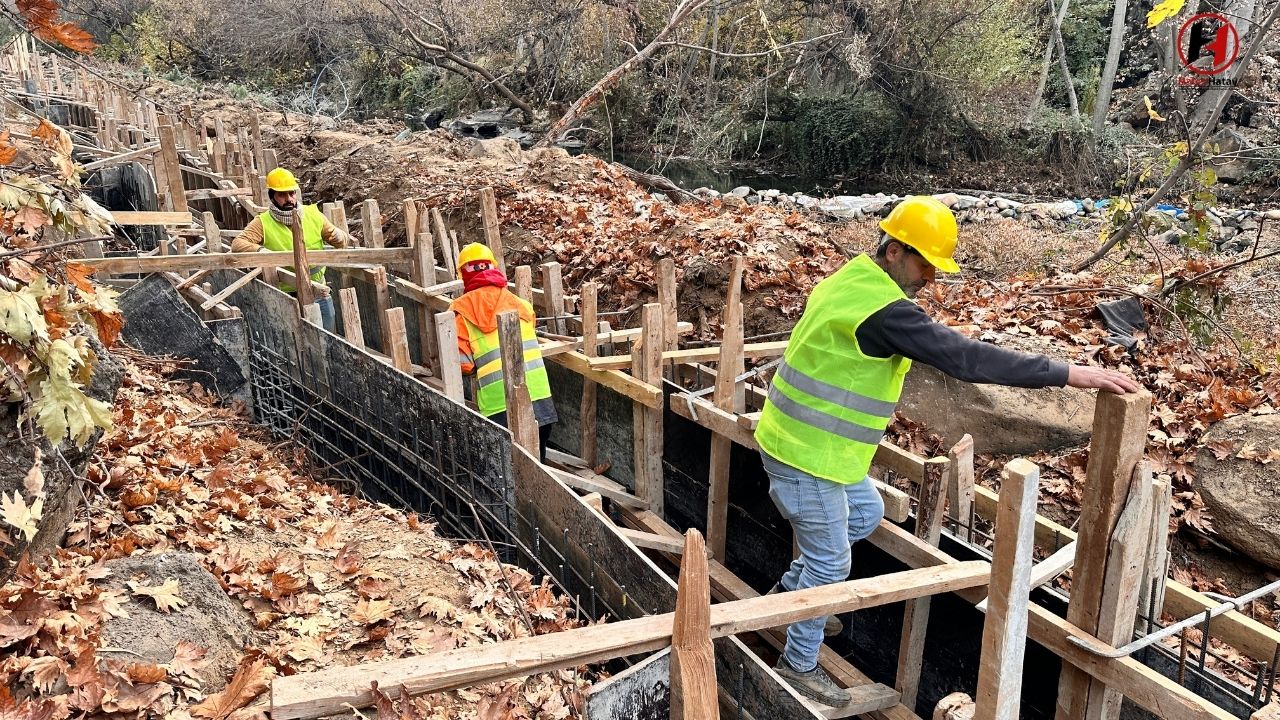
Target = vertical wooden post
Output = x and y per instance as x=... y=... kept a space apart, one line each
x=450 y=367
x=1156 y=566
x=172 y=169
x=255 y=131
x=1004 y=635
x=553 y=296
x=399 y=350
x=646 y=365
x=218 y=160
x=520 y=420
x=311 y=313
x=492 y=236
x=305 y=294
x=693 y=660
x=670 y=335
x=269 y=160
x=1119 y=437
x=382 y=300
x=723 y=397
x=590 y=453
x=449 y=255
x=915 y=623
x=424 y=274
x=371 y=223
x=960 y=485
x=524 y=283
x=349 y=306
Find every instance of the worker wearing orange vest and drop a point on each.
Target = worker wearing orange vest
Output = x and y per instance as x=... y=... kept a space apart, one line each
x=834 y=395
x=485 y=294
x=272 y=231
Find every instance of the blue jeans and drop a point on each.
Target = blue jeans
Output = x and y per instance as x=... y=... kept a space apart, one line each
x=827 y=518
x=326 y=313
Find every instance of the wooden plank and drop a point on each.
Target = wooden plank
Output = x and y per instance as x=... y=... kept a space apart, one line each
x=349 y=307
x=1155 y=571
x=1147 y=688
x=229 y=290
x=177 y=199
x=1046 y=570
x=520 y=420
x=212 y=235
x=618 y=494
x=142 y=152
x=217 y=193
x=301 y=267
x=227 y=261
x=666 y=281
x=960 y=485
x=316 y=694
x=587 y=413
x=371 y=224
x=640 y=689
x=393 y=319
x=492 y=236
x=707 y=354
x=450 y=369
x=647 y=421
x=553 y=296
x=639 y=391
x=148 y=217
x=693 y=663
x=424 y=273
x=723 y=398
x=524 y=283
x=653 y=541
x=1119 y=436
x=1004 y=634
x=382 y=302
x=447 y=252
x=915 y=622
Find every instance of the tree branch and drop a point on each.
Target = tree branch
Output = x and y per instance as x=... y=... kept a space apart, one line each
x=721 y=53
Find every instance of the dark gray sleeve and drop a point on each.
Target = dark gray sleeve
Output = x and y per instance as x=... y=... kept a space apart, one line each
x=903 y=328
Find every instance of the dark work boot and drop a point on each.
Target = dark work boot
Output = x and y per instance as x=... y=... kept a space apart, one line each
x=815 y=684
x=831 y=629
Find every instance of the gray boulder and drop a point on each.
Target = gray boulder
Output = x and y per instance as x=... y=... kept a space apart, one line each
x=1002 y=420
x=1244 y=495
x=1238 y=166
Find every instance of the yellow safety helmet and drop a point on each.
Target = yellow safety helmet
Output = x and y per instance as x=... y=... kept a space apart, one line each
x=281 y=180
x=927 y=225
x=475 y=252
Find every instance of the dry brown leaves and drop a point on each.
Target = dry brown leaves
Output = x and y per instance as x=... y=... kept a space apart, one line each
x=179 y=473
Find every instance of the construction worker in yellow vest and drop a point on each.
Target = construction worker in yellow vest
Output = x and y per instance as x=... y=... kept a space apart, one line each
x=834 y=394
x=485 y=294
x=271 y=231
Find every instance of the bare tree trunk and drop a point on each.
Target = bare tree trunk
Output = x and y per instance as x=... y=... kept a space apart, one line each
x=1102 y=103
x=1044 y=67
x=611 y=78
x=1072 y=101
x=1241 y=15
x=715 y=46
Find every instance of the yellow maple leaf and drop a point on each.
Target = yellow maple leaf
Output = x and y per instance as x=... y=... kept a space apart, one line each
x=165 y=595
x=62 y=410
x=20 y=317
x=1151 y=112
x=14 y=511
x=1163 y=11
x=369 y=612
x=31 y=218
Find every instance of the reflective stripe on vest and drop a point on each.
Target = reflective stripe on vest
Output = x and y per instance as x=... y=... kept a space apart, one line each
x=491 y=396
x=829 y=404
x=278 y=237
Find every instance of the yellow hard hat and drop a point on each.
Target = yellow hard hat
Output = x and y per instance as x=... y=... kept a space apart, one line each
x=475 y=252
x=928 y=226
x=281 y=180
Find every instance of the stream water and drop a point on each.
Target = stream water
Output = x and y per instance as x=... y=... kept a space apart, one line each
x=692 y=173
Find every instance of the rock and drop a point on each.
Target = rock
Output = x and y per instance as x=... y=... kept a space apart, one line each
x=1249 y=224
x=948 y=199
x=1273 y=214
x=706 y=192
x=1057 y=210
x=741 y=191
x=966 y=202
x=1009 y=212
x=210 y=619
x=1230 y=141
x=1087 y=205
x=771 y=193
x=1172 y=236
x=1244 y=495
x=733 y=201
x=753 y=199
x=1002 y=420
x=806 y=201
x=1182 y=216
x=500 y=148
x=848 y=207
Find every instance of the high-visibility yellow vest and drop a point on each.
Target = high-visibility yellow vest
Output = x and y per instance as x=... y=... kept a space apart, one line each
x=829 y=404
x=491 y=396
x=279 y=238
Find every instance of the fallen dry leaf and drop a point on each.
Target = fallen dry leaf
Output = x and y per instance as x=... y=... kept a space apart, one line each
x=251 y=680
x=165 y=595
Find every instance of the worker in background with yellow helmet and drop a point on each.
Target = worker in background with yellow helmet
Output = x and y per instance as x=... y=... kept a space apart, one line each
x=271 y=231
x=485 y=294
x=834 y=394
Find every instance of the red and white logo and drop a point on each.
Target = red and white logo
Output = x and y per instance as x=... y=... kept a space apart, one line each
x=1208 y=35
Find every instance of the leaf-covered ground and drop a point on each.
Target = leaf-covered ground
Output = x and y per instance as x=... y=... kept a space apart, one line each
x=328 y=578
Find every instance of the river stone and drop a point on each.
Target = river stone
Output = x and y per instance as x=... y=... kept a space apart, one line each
x=848 y=207
x=741 y=191
x=1002 y=420
x=1244 y=495
x=210 y=619
x=965 y=202
x=1273 y=214
x=948 y=199
x=1230 y=141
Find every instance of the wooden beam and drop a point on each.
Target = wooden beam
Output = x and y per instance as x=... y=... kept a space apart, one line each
x=142 y=152
x=217 y=193
x=382 y=303
x=693 y=661
x=393 y=319
x=316 y=694
x=960 y=486
x=349 y=308
x=524 y=283
x=229 y=290
x=227 y=261
x=707 y=354
x=647 y=421
x=722 y=397
x=418 y=237
x=492 y=236
x=587 y=412
x=1004 y=634
x=666 y=281
x=652 y=541
x=585 y=484
x=447 y=251
x=147 y=217
x=553 y=296
x=915 y=621
x=450 y=369
x=642 y=392
x=1155 y=572
x=301 y=266
x=520 y=419
x=371 y=224
x=1119 y=436
x=177 y=198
